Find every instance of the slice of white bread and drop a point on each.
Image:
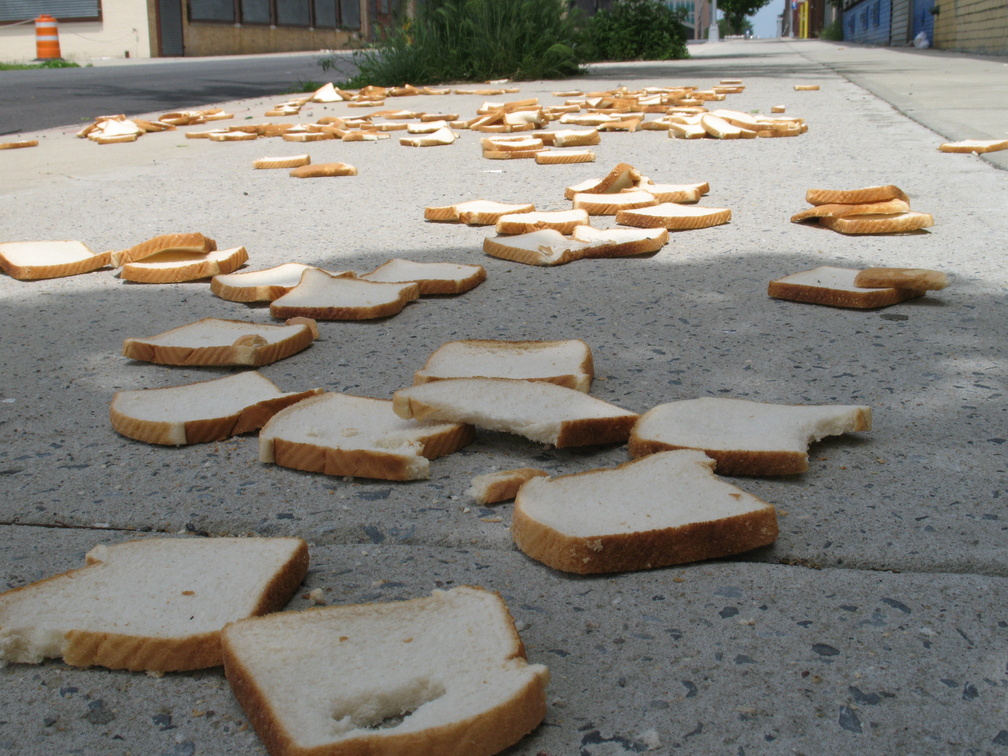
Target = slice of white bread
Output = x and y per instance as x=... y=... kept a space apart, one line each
x=719 y=128
x=442 y=136
x=746 y=438
x=611 y=204
x=442 y=674
x=623 y=176
x=546 y=246
x=679 y=193
x=432 y=278
x=891 y=223
x=285 y=161
x=156 y=604
x=185 y=242
x=323 y=170
x=855 y=196
x=340 y=434
x=200 y=412
x=543 y=412
x=839 y=211
x=213 y=341
x=262 y=285
x=36 y=260
x=668 y=508
x=566 y=363
x=836 y=287
x=176 y=267
x=918 y=279
x=324 y=296
x=501 y=485
x=564 y=221
x=620 y=242
x=475 y=212
x=574 y=138
x=674 y=217
x=978 y=146
x=564 y=157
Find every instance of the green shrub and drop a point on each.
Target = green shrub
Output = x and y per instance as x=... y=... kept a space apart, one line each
x=475 y=40
x=832 y=31
x=638 y=29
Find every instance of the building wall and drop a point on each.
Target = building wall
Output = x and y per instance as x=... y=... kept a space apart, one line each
x=234 y=39
x=977 y=26
x=901 y=24
x=868 y=22
x=128 y=28
x=123 y=29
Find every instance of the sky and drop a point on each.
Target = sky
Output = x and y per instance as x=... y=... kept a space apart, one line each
x=765 y=21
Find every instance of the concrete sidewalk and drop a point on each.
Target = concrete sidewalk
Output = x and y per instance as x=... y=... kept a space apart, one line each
x=874 y=624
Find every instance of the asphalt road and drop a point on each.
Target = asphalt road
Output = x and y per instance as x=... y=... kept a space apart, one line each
x=49 y=98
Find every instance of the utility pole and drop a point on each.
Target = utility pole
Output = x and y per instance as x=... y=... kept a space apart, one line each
x=712 y=30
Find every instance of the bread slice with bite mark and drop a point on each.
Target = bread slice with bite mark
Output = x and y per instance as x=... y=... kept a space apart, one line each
x=745 y=437
x=155 y=604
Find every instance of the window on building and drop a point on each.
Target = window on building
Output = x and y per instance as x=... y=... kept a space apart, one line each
x=323 y=14
x=12 y=11
x=212 y=10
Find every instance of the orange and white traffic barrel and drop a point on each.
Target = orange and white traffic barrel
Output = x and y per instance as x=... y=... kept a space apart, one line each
x=46 y=38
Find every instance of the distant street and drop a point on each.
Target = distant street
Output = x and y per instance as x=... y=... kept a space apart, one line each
x=48 y=98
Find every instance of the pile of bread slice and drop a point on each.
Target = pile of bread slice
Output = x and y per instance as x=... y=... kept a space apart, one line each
x=869 y=210
x=537 y=390
x=863 y=289
x=166 y=258
x=646 y=212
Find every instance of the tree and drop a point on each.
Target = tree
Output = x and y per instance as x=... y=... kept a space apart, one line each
x=736 y=11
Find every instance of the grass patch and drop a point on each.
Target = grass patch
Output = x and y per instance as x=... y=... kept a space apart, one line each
x=476 y=40
x=59 y=63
